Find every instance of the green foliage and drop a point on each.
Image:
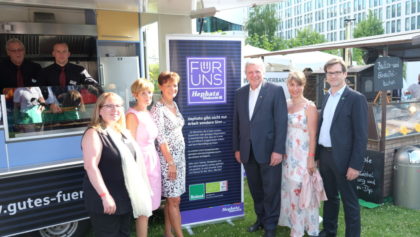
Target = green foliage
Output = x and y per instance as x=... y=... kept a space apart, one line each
x=306 y=36
x=154 y=74
x=262 y=41
x=384 y=221
x=262 y=20
x=335 y=52
x=358 y=56
x=367 y=27
x=261 y=26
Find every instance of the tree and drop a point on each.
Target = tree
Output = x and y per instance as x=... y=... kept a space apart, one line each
x=262 y=26
x=153 y=75
x=306 y=36
x=367 y=27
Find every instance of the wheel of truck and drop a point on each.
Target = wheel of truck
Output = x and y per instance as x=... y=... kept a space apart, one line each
x=72 y=229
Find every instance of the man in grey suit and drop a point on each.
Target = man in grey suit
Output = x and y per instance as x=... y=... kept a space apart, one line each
x=342 y=146
x=259 y=136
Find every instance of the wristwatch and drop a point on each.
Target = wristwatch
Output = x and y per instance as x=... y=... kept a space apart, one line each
x=171 y=163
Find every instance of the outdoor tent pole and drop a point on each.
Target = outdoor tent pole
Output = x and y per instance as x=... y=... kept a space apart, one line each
x=383 y=109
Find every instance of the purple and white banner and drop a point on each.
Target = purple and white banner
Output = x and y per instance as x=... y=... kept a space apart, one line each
x=210 y=69
x=213 y=213
x=206 y=80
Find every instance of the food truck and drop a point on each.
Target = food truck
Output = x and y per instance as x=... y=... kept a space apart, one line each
x=41 y=166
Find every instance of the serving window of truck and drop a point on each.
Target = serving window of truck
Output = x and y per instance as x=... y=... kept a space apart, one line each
x=41 y=169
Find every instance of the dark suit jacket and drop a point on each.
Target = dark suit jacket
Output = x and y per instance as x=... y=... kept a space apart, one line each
x=30 y=73
x=267 y=129
x=75 y=75
x=348 y=130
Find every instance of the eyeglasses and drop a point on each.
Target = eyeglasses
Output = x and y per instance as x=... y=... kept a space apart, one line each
x=112 y=106
x=334 y=73
x=16 y=50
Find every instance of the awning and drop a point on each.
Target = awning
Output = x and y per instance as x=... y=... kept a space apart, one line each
x=404 y=45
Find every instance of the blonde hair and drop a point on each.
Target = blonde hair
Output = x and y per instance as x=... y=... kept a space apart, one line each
x=141 y=84
x=97 y=122
x=298 y=77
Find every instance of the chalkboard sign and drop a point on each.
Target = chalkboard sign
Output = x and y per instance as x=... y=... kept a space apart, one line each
x=388 y=73
x=370 y=181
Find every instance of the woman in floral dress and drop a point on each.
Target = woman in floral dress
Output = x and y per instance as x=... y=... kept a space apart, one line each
x=300 y=150
x=171 y=149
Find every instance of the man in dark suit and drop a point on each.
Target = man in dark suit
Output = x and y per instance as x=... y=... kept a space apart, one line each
x=62 y=74
x=259 y=136
x=342 y=145
x=16 y=71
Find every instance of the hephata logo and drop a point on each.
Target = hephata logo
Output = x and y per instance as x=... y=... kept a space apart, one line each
x=232 y=209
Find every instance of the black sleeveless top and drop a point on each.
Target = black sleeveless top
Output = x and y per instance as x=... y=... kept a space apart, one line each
x=111 y=170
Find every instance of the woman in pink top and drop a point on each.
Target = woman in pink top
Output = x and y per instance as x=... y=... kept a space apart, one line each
x=144 y=130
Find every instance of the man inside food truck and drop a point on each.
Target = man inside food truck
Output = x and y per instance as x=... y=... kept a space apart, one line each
x=62 y=72
x=62 y=76
x=16 y=71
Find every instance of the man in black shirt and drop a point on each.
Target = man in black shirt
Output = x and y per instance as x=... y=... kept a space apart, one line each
x=61 y=72
x=16 y=71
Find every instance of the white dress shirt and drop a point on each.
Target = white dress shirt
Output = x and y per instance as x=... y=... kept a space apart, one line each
x=253 y=96
x=327 y=117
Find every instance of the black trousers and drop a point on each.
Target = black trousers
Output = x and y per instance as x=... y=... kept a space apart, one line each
x=335 y=183
x=264 y=182
x=104 y=225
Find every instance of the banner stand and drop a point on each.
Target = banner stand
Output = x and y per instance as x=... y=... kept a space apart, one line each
x=211 y=70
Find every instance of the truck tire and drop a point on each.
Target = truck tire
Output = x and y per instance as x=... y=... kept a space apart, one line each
x=72 y=229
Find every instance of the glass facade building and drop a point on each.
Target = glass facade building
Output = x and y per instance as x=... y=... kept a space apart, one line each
x=214 y=24
x=328 y=16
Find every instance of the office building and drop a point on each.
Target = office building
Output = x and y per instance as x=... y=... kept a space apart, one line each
x=328 y=16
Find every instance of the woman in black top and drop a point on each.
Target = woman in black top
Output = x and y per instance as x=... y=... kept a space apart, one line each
x=116 y=185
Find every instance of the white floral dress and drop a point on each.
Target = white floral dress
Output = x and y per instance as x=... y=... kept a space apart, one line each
x=293 y=170
x=170 y=132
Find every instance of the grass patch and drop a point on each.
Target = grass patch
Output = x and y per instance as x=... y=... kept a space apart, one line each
x=384 y=221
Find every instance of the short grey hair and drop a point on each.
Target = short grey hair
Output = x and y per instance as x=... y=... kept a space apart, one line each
x=14 y=40
x=255 y=61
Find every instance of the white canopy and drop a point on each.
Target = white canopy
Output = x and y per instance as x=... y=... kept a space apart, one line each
x=314 y=60
x=275 y=63
x=250 y=50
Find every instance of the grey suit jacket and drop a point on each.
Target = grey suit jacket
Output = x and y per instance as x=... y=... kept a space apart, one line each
x=349 y=130
x=267 y=129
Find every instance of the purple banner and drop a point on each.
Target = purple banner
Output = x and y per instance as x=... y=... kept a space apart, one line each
x=206 y=80
x=212 y=213
x=211 y=72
